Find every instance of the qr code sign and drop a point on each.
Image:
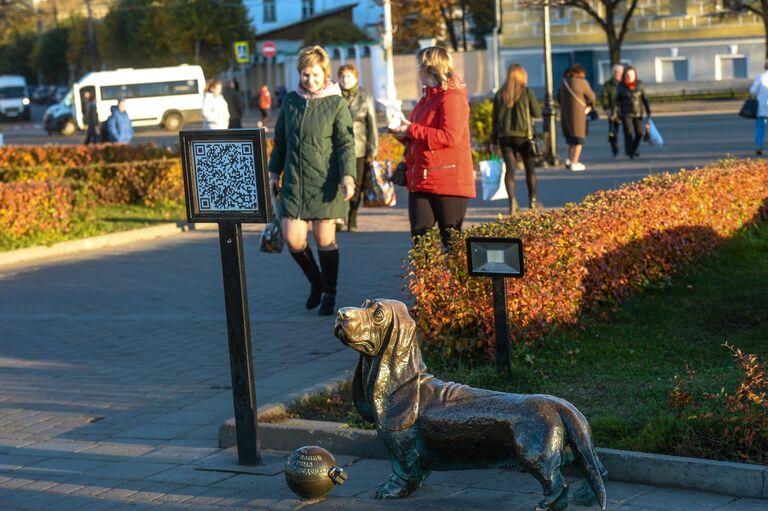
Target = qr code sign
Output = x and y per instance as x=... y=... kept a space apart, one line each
x=225 y=173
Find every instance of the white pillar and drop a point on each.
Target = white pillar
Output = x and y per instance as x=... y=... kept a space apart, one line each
x=359 y=64
x=390 y=93
x=426 y=43
x=493 y=62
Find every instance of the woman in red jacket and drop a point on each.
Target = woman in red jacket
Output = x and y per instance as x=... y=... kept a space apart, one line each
x=440 y=174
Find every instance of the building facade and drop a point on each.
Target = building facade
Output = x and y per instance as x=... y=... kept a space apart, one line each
x=676 y=44
x=271 y=15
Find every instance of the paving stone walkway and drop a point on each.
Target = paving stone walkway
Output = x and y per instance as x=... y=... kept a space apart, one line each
x=114 y=380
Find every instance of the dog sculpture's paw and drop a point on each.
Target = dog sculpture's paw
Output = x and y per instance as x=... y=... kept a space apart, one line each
x=392 y=490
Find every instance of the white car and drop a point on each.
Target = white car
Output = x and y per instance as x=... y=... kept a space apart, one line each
x=14 y=97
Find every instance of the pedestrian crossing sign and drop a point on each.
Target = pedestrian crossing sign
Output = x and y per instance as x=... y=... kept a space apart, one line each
x=242 y=54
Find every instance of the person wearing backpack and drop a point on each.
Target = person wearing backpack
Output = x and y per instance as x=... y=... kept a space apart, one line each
x=514 y=107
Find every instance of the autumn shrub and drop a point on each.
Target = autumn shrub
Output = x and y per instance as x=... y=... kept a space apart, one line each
x=730 y=425
x=390 y=149
x=480 y=119
x=13 y=158
x=33 y=208
x=584 y=258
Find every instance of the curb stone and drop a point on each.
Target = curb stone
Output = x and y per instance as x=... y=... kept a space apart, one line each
x=735 y=479
x=67 y=248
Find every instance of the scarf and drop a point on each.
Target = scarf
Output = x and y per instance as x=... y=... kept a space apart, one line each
x=351 y=92
x=630 y=85
x=329 y=89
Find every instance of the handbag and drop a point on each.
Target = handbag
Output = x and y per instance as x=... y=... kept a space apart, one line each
x=381 y=191
x=535 y=144
x=492 y=173
x=592 y=115
x=749 y=108
x=400 y=174
x=272 y=241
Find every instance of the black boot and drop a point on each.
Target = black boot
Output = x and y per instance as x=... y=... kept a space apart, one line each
x=329 y=262
x=306 y=261
x=352 y=221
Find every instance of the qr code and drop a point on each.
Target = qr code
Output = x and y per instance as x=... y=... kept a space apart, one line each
x=225 y=173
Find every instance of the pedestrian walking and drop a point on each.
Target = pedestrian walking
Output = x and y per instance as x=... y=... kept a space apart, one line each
x=576 y=100
x=632 y=106
x=215 y=110
x=438 y=155
x=607 y=94
x=366 y=134
x=235 y=105
x=514 y=107
x=314 y=152
x=93 y=128
x=759 y=90
x=265 y=103
x=119 y=127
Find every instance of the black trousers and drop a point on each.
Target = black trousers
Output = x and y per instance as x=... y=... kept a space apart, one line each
x=633 y=133
x=613 y=135
x=426 y=208
x=512 y=149
x=362 y=185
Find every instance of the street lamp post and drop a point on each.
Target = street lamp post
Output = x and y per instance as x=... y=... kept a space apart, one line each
x=550 y=114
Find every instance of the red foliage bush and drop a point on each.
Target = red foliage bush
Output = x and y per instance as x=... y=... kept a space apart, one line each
x=13 y=158
x=583 y=257
x=27 y=209
x=726 y=425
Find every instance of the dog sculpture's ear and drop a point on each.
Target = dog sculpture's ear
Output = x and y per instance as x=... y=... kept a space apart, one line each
x=362 y=404
x=396 y=389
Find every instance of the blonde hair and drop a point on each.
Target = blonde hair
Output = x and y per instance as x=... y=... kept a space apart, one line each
x=348 y=67
x=437 y=63
x=314 y=56
x=517 y=81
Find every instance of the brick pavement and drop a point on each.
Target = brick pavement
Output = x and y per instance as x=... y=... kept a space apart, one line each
x=114 y=379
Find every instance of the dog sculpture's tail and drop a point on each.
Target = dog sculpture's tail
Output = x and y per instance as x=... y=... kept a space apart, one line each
x=577 y=427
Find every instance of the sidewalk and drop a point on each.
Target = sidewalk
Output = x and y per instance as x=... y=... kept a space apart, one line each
x=115 y=378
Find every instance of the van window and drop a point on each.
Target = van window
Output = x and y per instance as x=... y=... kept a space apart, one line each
x=12 y=92
x=148 y=90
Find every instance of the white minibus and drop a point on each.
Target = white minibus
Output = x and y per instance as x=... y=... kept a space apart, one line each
x=14 y=97
x=161 y=96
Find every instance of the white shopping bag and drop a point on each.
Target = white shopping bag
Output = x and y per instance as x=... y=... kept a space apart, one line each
x=492 y=173
x=653 y=134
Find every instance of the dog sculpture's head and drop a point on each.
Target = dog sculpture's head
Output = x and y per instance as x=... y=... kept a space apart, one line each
x=390 y=363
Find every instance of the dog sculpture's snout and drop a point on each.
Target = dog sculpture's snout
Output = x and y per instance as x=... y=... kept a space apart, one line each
x=344 y=314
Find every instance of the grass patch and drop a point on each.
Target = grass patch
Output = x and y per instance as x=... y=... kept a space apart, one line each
x=619 y=371
x=102 y=220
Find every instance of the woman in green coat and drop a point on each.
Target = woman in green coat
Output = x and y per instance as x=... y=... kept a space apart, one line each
x=314 y=152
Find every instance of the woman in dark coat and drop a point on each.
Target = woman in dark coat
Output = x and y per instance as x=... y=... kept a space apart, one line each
x=576 y=99
x=315 y=154
x=441 y=178
x=514 y=107
x=632 y=104
x=366 y=134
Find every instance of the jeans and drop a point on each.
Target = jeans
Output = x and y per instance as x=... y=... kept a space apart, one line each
x=760 y=131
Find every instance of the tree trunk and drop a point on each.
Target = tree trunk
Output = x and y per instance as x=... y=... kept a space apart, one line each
x=448 y=19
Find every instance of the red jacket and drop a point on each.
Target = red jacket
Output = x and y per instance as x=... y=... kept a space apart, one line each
x=439 y=155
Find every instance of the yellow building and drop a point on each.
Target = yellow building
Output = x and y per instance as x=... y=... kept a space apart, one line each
x=667 y=40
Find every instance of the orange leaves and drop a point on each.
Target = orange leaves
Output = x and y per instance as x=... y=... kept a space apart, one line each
x=585 y=257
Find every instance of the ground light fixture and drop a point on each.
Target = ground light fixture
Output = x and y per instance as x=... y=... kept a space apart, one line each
x=498 y=258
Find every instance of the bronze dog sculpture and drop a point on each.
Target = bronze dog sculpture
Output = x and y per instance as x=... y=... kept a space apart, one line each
x=427 y=424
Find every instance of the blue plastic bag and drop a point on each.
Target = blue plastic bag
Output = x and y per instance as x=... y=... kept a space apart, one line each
x=654 y=137
x=492 y=172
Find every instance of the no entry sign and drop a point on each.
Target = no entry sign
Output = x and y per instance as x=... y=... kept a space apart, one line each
x=268 y=49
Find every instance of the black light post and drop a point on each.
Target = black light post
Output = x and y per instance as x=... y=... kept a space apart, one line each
x=550 y=113
x=498 y=258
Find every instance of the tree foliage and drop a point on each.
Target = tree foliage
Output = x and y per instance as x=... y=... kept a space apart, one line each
x=334 y=31
x=451 y=22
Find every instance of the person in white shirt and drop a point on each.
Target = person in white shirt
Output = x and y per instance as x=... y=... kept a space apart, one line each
x=215 y=111
x=759 y=90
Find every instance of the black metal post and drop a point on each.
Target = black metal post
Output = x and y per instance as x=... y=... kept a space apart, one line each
x=550 y=112
x=501 y=324
x=239 y=333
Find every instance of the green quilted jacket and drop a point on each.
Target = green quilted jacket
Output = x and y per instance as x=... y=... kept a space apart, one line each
x=314 y=149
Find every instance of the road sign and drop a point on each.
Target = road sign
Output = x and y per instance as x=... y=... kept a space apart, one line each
x=268 y=49
x=242 y=52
